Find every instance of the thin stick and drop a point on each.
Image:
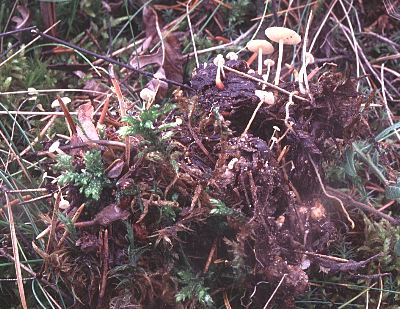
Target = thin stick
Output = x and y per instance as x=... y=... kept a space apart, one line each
x=35 y=113
x=65 y=234
x=322 y=25
x=329 y=195
x=26 y=46
x=105 y=269
x=26 y=190
x=37 y=91
x=41 y=134
x=354 y=42
x=17 y=263
x=388 y=112
x=365 y=207
x=67 y=115
x=274 y=292
x=191 y=34
x=17 y=157
x=108 y=59
x=252 y=118
x=263 y=82
x=16 y=31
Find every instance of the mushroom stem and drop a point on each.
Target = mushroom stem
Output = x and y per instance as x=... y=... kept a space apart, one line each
x=218 y=81
x=259 y=70
x=268 y=70
x=279 y=65
x=252 y=118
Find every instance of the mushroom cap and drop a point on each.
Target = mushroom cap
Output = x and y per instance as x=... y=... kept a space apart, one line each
x=288 y=36
x=219 y=60
x=147 y=94
x=232 y=56
x=265 y=96
x=309 y=58
x=269 y=62
x=255 y=45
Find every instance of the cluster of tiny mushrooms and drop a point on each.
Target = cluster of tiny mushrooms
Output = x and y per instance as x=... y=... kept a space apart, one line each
x=282 y=36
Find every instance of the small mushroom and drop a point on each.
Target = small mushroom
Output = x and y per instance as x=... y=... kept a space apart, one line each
x=265 y=97
x=232 y=56
x=303 y=78
x=219 y=61
x=269 y=63
x=261 y=47
x=148 y=96
x=282 y=36
x=274 y=139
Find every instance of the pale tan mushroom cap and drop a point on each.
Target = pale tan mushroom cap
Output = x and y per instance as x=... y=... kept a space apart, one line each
x=265 y=96
x=232 y=56
x=288 y=36
x=309 y=58
x=269 y=62
x=219 y=60
x=255 y=45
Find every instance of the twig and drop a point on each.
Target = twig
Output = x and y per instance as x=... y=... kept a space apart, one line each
x=16 y=31
x=210 y=255
x=27 y=45
x=67 y=115
x=274 y=292
x=263 y=82
x=191 y=34
x=16 y=156
x=66 y=232
x=108 y=59
x=329 y=195
x=388 y=111
x=322 y=25
x=17 y=263
x=365 y=207
x=105 y=270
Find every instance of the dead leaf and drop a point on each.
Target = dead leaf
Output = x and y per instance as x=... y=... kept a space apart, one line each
x=111 y=213
x=169 y=64
x=115 y=169
x=158 y=86
x=172 y=65
x=86 y=130
x=23 y=20
x=149 y=26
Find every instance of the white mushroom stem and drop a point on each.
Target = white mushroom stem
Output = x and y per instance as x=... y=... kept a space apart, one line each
x=265 y=97
x=303 y=77
x=252 y=118
x=289 y=123
x=218 y=81
x=260 y=53
x=268 y=71
x=273 y=138
x=279 y=64
x=219 y=62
